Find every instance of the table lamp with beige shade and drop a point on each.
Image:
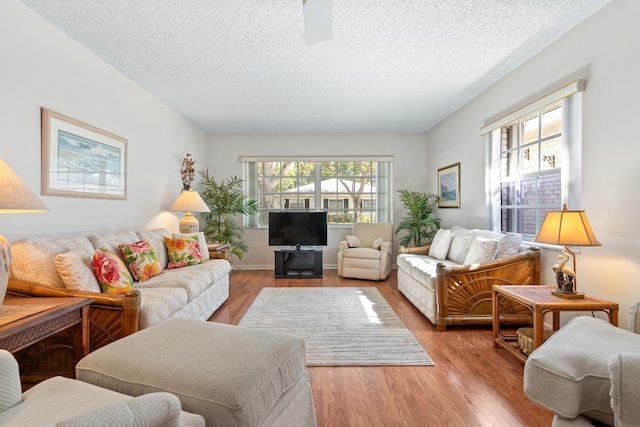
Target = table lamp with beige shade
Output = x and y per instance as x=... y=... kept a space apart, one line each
x=567 y=228
x=189 y=201
x=15 y=197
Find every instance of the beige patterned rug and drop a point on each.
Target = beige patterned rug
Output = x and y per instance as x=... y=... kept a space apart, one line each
x=341 y=326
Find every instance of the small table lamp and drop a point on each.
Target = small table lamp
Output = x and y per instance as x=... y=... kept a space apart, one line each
x=189 y=201
x=15 y=197
x=568 y=228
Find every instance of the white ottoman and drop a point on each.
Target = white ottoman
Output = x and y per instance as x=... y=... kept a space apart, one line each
x=232 y=376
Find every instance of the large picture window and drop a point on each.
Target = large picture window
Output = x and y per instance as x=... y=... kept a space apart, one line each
x=349 y=190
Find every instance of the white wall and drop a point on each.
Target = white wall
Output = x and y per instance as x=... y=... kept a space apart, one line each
x=604 y=51
x=408 y=149
x=42 y=67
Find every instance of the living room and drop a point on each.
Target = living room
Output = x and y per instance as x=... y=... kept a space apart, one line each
x=43 y=67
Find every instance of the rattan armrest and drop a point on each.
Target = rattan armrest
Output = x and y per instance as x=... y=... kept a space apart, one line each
x=416 y=250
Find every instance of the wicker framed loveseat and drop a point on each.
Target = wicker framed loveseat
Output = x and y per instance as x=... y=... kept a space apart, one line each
x=451 y=280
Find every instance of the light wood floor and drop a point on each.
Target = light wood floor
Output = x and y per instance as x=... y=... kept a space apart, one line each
x=471 y=384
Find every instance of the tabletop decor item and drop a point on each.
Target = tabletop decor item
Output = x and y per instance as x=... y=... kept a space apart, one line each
x=567 y=228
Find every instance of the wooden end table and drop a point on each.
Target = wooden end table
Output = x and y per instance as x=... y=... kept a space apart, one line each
x=539 y=300
x=26 y=321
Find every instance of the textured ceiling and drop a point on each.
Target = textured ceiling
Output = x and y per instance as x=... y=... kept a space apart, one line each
x=244 y=66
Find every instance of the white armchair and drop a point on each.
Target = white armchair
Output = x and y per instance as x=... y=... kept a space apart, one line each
x=588 y=371
x=63 y=402
x=366 y=254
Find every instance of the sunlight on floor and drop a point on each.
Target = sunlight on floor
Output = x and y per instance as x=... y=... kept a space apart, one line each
x=368 y=308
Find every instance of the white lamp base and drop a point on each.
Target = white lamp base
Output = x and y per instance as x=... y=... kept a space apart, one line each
x=5 y=263
x=189 y=224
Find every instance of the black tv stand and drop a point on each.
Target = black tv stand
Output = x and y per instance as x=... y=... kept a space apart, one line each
x=298 y=262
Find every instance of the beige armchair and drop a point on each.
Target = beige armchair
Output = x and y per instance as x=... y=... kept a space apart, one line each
x=63 y=402
x=366 y=253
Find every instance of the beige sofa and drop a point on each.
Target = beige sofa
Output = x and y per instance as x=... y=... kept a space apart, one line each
x=588 y=373
x=451 y=280
x=194 y=292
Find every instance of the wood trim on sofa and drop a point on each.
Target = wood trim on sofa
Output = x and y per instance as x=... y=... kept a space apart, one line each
x=111 y=317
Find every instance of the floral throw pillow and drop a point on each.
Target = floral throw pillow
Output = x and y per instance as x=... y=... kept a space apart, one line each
x=183 y=251
x=141 y=260
x=112 y=274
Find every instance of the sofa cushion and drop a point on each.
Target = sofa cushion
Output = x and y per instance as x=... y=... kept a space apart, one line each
x=482 y=250
x=353 y=241
x=160 y=304
x=569 y=373
x=204 y=250
x=364 y=253
x=155 y=237
x=111 y=272
x=183 y=252
x=141 y=260
x=377 y=243
x=508 y=245
x=461 y=240
x=112 y=241
x=440 y=244
x=76 y=272
x=194 y=279
x=33 y=259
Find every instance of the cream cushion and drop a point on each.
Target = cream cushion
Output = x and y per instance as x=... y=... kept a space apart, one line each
x=353 y=242
x=482 y=250
x=440 y=244
x=76 y=273
x=231 y=375
x=624 y=370
x=508 y=245
x=377 y=243
x=461 y=240
x=571 y=382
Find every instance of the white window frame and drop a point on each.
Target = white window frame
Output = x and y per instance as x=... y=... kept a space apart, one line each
x=383 y=194
x=571 y=164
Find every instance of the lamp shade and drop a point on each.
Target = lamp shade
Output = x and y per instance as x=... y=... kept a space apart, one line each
x=15 y=196
x=189 y=201
x=568 y=228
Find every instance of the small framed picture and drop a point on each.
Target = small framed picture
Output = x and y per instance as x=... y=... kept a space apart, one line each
x=80 y=160
x=449 y=186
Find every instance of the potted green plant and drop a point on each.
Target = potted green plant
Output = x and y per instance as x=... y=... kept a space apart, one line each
x=226 y=201
x=419 y=222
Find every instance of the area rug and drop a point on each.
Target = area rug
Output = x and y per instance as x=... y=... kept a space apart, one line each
x=341 y=326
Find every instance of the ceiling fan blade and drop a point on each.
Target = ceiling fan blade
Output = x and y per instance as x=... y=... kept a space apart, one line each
x=317 y=20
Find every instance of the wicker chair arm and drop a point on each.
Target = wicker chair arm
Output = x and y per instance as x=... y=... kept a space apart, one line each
x=127 y=301
x=416 y=250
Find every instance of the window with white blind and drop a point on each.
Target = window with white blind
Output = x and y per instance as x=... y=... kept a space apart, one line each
x=533 y=161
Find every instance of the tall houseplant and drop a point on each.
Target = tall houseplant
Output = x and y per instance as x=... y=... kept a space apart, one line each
x=419 y=222
x=226 y=201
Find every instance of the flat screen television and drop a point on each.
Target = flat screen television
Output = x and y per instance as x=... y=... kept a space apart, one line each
x=297 y=229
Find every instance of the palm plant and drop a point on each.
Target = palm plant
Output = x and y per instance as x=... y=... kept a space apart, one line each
x=226 y=201
x=419 y=223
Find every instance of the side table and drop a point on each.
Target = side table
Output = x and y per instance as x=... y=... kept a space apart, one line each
x=26 y=321
x=540 y=301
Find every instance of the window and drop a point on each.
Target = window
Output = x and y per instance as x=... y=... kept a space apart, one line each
x=348 y=190
x=534 y=163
